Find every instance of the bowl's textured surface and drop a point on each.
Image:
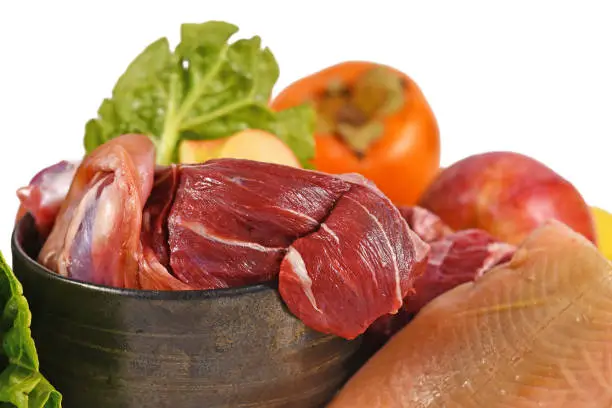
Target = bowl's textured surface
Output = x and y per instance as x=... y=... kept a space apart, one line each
x=111 y=348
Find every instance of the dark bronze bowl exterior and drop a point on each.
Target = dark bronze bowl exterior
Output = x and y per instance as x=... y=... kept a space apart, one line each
x=113 y=348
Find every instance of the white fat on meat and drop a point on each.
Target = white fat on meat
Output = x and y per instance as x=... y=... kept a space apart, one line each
x=203 y=232
x=331 y=233
x=299 y=269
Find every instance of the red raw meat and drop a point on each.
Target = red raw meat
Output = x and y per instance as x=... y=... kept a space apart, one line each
x=44 y=195
x=342 y=252
x=156 y=211
x=457 y=258
x=424 y=223
x=232 y=220
x=356 y=267
x=97 y=231
x=348 y=257
x=154 y=257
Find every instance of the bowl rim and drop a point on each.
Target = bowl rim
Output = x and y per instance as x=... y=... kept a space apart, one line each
x=45 y=273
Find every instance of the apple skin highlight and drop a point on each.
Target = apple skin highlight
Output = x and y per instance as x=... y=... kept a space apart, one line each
x=508 y=195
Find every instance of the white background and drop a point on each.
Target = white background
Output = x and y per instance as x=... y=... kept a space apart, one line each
x=529 y=76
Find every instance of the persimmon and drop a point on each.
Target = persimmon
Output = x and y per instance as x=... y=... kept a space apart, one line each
x=371 y=119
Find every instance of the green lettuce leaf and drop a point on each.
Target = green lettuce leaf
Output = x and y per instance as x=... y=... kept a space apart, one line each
x=21 y=384
x=208 y=88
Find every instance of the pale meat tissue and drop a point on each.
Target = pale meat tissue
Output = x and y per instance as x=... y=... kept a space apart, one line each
x=533 y=332
x=96 y=233
x=43 y=197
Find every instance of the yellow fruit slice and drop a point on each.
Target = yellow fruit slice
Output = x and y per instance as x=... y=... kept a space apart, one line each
x=199 y=151
x=251 y=144
x=603 y=226
x=258 y=145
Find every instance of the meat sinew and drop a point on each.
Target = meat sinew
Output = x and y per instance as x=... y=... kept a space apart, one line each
x=97 y=230
x=532 y=332
x=341 y=252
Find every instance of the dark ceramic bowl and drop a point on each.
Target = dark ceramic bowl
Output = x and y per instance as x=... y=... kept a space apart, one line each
x=113 y=348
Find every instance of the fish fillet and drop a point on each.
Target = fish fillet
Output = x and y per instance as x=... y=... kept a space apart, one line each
x=534 y=332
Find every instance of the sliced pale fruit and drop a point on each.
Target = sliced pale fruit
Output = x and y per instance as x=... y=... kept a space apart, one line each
x=260 y=146
x=603 y=226
x=199 y=151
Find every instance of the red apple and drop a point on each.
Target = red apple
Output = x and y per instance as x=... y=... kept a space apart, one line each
x=506 y=194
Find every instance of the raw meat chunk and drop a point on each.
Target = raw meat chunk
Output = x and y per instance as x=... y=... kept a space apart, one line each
x=97 y=231
x=232 y=220
x=45 y=194
x=424 y=223
x=362 y=259
x=460 y=257
x=154 y=254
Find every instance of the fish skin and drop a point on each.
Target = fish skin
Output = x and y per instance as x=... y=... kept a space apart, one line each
x=534 y=332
